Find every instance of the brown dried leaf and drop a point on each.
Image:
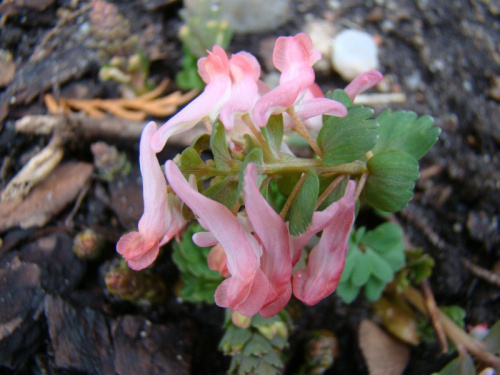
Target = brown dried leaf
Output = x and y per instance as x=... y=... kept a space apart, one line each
x=47 y=199
x=383 y=354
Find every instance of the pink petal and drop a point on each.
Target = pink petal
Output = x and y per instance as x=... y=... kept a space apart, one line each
x=217 y=260
x=208 y=103
x=281 y=98
x=363 y=82
x=309 y=108
x=137 y=250
x=249 y=294
x=204 y=239
x=294 y=50
x=214 y=64
x=273 y=234
x=327 y=259
x=154 y=187
x=246 y=290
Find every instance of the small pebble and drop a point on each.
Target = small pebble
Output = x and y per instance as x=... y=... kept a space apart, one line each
x=354 y=52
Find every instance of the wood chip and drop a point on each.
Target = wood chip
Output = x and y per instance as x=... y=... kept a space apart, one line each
x=47 y=199
x=384 y=355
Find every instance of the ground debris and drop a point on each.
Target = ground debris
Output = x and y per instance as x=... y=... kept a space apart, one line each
x=145 y=348
x=47 y=199
x=21 y=297
x=135 y=109
x=36 y=77
x=384 y=355
x=79 y=337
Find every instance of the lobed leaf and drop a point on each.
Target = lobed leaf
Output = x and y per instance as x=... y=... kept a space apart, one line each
x=302 y=208
x=225 y=192
x=403 y=131
x=346 y=139
x=218 y=145
x=273 y=133
x=392 y=176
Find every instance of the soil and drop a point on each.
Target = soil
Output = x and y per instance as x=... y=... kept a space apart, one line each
x=445 y=56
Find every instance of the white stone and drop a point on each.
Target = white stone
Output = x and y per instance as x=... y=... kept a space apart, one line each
x=354 y=52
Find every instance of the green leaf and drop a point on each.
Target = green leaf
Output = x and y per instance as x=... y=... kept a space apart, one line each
x=302 y=208
x=340 y=96
x=254 y=156
x=190 y=160
x=392 y=176
x=273 y=133
x=379 y=267
x=225 y=192
x=384 y=238
x=218 y=145
x=287 y=182
x=347 y=291
x=374 y=289
x=198 y=281
x=462 y=365
x=492 y=340
x=403 y=131
x=346 y=139
x=362 y=271
x=201 y=143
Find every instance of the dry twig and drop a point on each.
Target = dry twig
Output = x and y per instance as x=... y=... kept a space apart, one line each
x=135 y=109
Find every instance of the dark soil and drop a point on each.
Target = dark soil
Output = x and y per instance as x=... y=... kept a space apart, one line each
x=55 y=316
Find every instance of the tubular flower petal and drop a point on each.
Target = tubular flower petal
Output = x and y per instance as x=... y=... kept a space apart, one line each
x=294 y=57
x=247 y=288
x=245 y=71
x=327 y=259
x=161 y=219
x=272 y=233
x=214 y=70
x=363 y=82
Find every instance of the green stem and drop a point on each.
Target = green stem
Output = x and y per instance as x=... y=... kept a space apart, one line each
x=302 y=130
x=268 y=155
x=296 y=165
x=299 y=165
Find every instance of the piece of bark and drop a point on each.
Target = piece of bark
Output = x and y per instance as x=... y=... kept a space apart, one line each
x=79 y=338
x=61 y=270
x=37 y=77
x=47 y=199
x=145 y=348
x=22 y=303
x=126 y=199
x=384 y=355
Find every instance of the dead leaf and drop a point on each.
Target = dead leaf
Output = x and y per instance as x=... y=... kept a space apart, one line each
x=46 y=199
x=384 y=355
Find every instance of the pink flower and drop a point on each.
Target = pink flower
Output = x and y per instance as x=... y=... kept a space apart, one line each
x=363 y=82
x=162 y=219
x=258 y=258
x=294 y=57
x=214 y=70
x=327 y=259
x=245 y=72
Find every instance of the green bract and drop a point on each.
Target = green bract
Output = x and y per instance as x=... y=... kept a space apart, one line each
x=371 y=261
x=198 y=281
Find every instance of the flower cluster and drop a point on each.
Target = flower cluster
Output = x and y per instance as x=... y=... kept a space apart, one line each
x=257 y=244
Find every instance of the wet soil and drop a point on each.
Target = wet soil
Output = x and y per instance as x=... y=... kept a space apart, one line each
x=56 y=316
